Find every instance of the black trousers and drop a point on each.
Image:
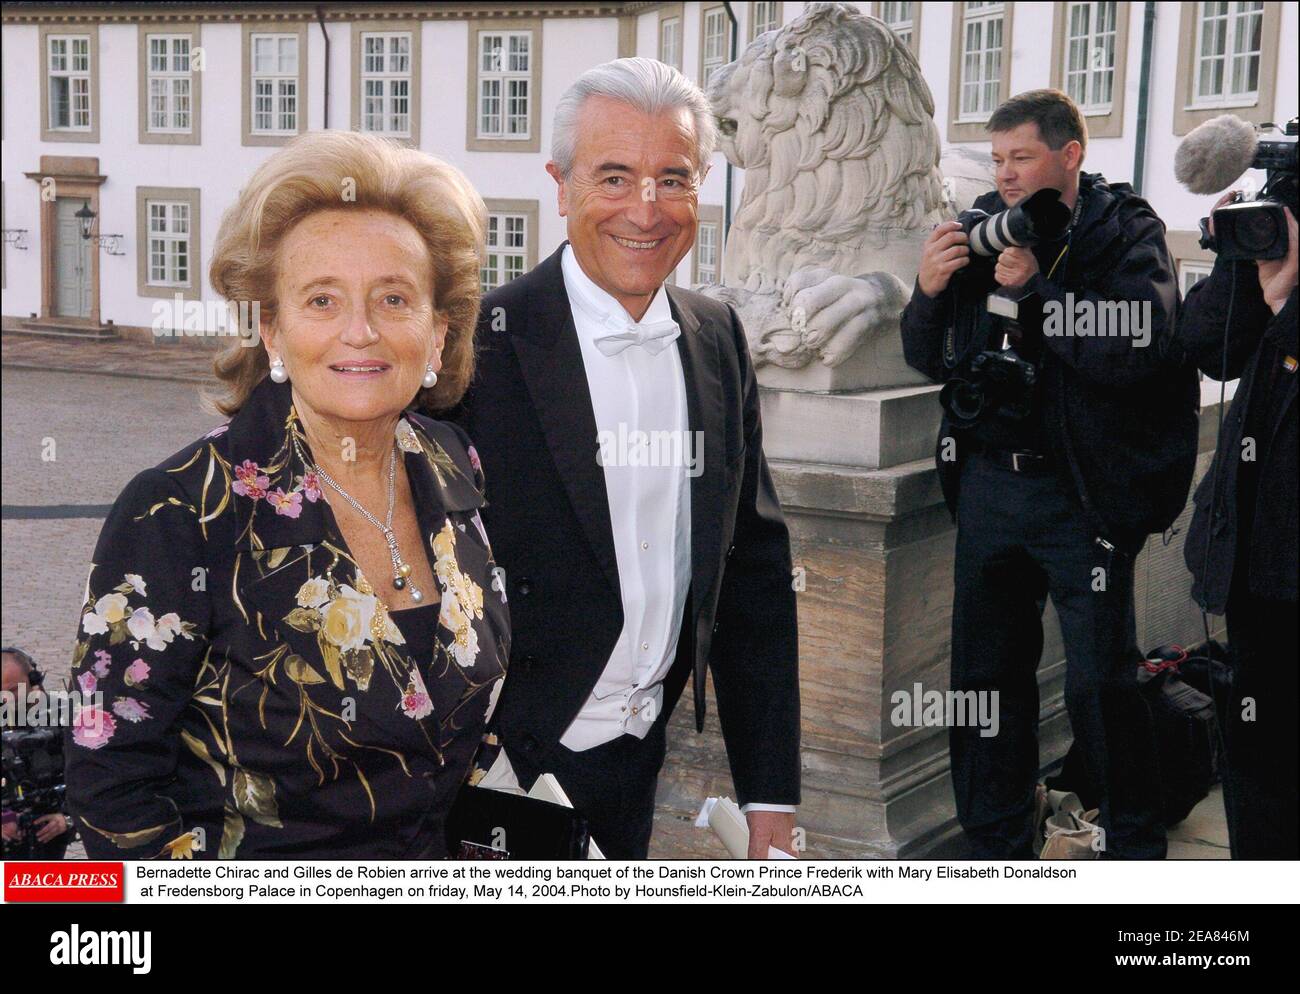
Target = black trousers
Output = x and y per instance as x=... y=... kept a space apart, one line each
x=1260 y=728
x=1020 y=538
x=612 y=784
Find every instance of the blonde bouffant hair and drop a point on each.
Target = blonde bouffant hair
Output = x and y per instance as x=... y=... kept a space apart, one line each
x=344 y=170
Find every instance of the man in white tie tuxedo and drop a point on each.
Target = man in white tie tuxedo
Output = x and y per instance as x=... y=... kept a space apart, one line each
x=629 y=502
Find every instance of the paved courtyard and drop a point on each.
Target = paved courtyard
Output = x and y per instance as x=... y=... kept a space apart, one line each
x=81 y=419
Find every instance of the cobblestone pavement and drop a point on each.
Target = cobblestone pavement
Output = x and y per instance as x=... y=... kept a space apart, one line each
x=106 y=411
x=133 y=359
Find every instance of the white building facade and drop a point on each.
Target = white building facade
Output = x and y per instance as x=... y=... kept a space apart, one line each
x=152 y=116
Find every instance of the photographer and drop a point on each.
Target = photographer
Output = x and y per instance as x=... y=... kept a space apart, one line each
x=27 y=831
x=1241 y=547
x=1055 y=487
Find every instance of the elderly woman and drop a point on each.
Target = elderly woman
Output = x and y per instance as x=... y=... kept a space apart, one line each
x=291 y=640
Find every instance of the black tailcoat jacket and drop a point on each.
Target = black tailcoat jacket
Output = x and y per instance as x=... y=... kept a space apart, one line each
x=530 y=416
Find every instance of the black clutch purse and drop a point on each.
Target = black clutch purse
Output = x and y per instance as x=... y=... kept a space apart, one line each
x=491 y=824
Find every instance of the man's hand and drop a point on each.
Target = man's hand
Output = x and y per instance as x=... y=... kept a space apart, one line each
x=944 y=252
x=11 y=831
x=1015 y=266
x=773 y=829
x=1227 y=198
x=50 y=827
x=1277 y=277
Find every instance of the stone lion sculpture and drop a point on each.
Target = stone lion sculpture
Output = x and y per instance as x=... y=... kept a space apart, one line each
x=834 y=126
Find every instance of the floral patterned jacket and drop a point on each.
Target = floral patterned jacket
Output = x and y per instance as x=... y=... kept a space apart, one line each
x=246 y=694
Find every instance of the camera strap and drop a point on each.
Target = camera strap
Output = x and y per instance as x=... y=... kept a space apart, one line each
x=1069 y=235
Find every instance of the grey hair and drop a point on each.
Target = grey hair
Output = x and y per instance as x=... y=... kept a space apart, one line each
x=650 y=86
x=25 y=662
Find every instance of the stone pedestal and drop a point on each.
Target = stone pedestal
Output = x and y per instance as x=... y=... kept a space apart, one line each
x=875 y=542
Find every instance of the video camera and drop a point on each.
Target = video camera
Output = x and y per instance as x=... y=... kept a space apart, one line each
x=32 y=763
x=1245 y=228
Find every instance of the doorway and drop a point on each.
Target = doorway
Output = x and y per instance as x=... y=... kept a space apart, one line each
x=72 y=276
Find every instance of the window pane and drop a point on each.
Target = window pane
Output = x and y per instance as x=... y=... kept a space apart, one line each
x=492 y=60
x=263 y=54
x=288 y=105
x=288 y=61
x=490 y=115
x=518 y=107
x=60 y=102
x=399 y=55
x=374 y=53
x=514 y=232
x=519 y=53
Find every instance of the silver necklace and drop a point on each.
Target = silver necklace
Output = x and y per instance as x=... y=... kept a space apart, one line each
x=401 y=568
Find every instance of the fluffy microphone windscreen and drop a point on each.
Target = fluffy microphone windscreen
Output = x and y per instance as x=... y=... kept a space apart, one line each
x=1213 y=155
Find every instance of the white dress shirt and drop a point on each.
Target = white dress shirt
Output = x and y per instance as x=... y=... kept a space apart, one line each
x=637 y=391
x=639 y=400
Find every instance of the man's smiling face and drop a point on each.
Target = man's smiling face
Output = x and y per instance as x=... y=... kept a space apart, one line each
x=631 y=197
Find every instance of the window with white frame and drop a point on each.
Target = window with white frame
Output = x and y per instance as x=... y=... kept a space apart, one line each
x=1229 y=41
x=670 y=41
x=899 y=17
x=507 y=248
x=275 y=84
x=713 y=42
x=1191 y=273
x=169 y=83
x=386 y=83
x=169 y=243
x=505 y=72
x=981 y=60
x=765 y=17
x=706 y=252
x=1090 y=55
x=69 y=82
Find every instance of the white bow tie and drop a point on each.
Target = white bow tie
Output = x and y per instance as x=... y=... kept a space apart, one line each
x=653 y=336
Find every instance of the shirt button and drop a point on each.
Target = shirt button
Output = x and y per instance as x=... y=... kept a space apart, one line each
x=645 y=545
x=645 y=646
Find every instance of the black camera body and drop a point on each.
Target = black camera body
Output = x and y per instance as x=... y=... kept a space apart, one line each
x=1257 y=229
x=997 y=382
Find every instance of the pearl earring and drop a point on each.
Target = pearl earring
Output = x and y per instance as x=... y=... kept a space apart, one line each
x=430 y=377
x=278 y=373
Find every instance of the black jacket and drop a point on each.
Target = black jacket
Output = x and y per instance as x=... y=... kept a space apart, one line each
x=529 y=412
x=1122 y=419
x=1258 y=349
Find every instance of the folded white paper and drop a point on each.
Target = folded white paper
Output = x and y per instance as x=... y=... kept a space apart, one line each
x=723 y=816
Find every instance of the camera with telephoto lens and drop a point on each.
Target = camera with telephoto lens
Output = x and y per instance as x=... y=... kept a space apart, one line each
x=1040 y=217
x=1256 y=229
x=1001 y=381
x=32 y=763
